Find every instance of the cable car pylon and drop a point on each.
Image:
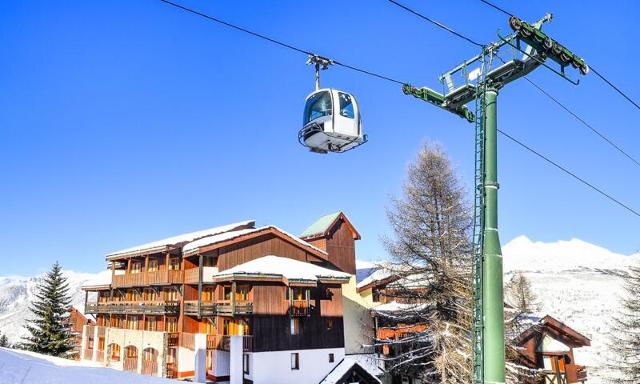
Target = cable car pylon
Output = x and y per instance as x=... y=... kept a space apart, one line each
x=481 y=83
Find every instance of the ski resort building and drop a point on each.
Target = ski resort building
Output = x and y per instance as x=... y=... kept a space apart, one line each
x=547 y=347
x=76 y=322
x=235 y=303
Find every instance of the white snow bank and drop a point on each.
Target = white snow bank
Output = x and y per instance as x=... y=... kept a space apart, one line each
x=21 y=367
x=285 y=267
x=366 y=361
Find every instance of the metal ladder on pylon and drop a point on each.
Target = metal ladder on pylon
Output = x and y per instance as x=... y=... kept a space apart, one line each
x=478 y=227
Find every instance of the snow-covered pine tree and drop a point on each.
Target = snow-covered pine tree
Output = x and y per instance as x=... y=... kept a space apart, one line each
x=431 y=253
x=625 y=337
x=48 y=332
x=521 y=305
x=4 y=341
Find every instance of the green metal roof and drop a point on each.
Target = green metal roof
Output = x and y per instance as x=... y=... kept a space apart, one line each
x=321 y=225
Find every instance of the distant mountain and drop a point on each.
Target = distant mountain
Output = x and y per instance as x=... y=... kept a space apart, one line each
x=577 y=283
x=17 y=292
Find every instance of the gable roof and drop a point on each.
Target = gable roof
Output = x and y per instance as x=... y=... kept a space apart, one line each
x=322 y=227
x=366 y=365
x=178 y=241
x=209 y=243
x=556 y=328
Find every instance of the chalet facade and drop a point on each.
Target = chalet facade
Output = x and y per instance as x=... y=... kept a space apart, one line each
x=76 y=322
x=234 y=303
x=547 y=347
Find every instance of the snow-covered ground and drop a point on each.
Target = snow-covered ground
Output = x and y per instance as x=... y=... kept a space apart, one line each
x=579 y=284
x=21 y=367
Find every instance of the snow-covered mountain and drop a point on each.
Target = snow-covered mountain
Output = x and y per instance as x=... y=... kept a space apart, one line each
x=17 y=292
x=579 y=284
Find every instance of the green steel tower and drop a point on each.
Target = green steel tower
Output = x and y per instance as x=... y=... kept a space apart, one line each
x=481 y=83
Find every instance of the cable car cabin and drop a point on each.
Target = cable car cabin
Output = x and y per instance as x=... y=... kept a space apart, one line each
x=331 y=122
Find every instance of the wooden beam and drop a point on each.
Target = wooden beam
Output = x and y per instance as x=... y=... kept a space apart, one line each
x=200 y=261
x=233 y=298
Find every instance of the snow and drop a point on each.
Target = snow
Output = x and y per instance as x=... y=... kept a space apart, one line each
x=577 y=283
x=366 y=360
x=285 y=267
x=394 y=306
x=194 y=245
x=184 y=238
x=22 y=367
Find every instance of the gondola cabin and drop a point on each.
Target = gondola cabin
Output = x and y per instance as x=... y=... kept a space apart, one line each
x=331 y=122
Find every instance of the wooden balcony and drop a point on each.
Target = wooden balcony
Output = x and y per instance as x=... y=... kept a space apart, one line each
x=221 y=307
x=135 y=307
x=299 y=308
x=143 y=279
x=222 y=342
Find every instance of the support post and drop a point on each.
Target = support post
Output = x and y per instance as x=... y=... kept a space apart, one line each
x=200 y=261
x=233 y=298
x=493 y=306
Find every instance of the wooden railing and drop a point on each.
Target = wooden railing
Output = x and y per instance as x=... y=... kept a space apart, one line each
x=149 y=367
x=221 y=307
x=223 y=343
x=173 y=339
x=135 y=307
x=188 y=340
x=147 y=278
x=131 y=364
x=192 y=276
x=299 y=308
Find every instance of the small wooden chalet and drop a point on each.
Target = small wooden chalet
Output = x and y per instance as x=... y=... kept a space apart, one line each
x=547 y=346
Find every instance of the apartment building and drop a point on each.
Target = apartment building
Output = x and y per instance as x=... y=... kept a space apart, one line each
x=236 y=303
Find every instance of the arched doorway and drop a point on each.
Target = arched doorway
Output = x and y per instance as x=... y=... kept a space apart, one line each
x=131 y=358
x=113 y=353
x=150 y=361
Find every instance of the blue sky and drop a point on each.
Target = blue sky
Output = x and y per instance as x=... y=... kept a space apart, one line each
x=123 y=122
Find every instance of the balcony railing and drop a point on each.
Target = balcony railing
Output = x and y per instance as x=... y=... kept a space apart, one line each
x=212 y=308
x=299 y=308
x=147 y=278
x=135 y=307
x=223 y=343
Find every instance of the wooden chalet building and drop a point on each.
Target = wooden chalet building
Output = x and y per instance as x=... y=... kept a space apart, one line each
x=234 y=303
x=76 y=322
x=547 y=347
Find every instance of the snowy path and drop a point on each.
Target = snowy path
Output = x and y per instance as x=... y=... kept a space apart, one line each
x=21 y=367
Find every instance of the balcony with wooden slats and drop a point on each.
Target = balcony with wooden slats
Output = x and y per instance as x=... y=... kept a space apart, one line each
x=143 y=279
x=135 y=307
x=219 y=307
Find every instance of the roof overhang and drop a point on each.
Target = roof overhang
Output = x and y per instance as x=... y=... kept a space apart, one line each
x=95 y=288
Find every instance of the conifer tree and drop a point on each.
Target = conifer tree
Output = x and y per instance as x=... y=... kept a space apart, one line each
x=625 y=338
x=4 y=341
x=48 y=332
x=431 y=253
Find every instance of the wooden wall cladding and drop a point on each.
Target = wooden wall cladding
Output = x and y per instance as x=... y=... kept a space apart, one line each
x=273 y=333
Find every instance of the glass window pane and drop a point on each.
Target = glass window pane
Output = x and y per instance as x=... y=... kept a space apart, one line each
x=346 y=105
x=317 y=106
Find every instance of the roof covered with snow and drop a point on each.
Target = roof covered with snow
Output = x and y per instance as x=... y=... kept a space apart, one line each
x=321 y=225
x=218 y=238
x=159 y=245
x=394 y=306
x=367 y=362
x=276 y=266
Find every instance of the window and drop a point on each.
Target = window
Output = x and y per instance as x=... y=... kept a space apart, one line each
x=136 y=267
x=295 y=360
x=317 y=106
x=332 y=358
x=170 y=294
x=208 y=293
x=329 y=324
x=346 y=105
x=151 y=295
x=375 y=295
x=172 y=324
x=114 y=353
x=226 y=292
x=209 y=261
x=132 y=322
x=242 y=292
x=299 y=293
x=151 y=324
x=174 y=264
x=153 y=265
x=226 y=327
x=245 y=363
x=295 y=326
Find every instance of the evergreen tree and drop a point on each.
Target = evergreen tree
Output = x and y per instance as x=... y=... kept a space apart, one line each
x=4 y=341
x=48 y=332
x=625 y=338
x=431 y=252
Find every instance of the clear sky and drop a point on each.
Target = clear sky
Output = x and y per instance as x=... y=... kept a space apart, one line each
x=122 y=122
